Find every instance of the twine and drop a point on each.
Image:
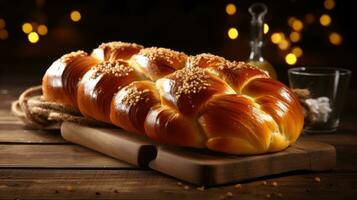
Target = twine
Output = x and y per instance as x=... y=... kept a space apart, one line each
x=40 y=114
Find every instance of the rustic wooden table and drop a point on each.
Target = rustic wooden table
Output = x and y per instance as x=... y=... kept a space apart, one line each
x=41 y=165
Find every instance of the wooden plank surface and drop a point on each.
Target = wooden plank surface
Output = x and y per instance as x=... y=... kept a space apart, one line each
x=13 y=131
x=55 y=156
x=137 y=184
x=345 y=141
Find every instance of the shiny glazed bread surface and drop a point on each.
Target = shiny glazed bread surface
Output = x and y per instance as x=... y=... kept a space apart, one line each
x=202 y=101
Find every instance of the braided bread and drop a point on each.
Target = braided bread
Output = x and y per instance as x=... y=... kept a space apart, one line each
x=201 y=101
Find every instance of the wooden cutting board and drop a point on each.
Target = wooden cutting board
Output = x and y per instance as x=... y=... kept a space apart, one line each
x=198 y=166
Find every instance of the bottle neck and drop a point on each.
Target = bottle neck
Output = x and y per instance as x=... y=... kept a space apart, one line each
x=256 y=53
x=256 y=44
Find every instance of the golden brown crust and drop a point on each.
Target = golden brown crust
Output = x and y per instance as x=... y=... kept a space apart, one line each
x=190 y=89
x=236 y=116
x=131 y=105
x=196 y=101
x=116 y=50
x=206 y=60
x=236 y=74
x=280 y=102
x=69 y=57
x=239 y=74
x=97 y=88
x=60 y=82
x=174 y=59
x=158 y=62
x=169 y=127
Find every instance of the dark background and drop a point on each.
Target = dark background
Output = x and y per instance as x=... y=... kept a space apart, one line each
x=189 y=26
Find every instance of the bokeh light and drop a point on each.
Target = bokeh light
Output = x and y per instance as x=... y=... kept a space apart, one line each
x=295 y=36
x=231 y=9
x=33 y=37
x=75 y=16
x=329 y=4
x=335 y=38
x=27 y=28
x=284 y=44
x=297 y=51
x=291 y=21
x=42 y=29
x=2 y=23
x=276 y=38
x=266 y=28
x=325 y=20
x=297 y=25
x=233 y=33
x=290 y=59
x=4 y=34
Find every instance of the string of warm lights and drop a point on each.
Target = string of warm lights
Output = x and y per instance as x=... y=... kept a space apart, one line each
x=285 y=42
x=288 y=43
x=325 y=20
x=232 y=32
x=34 y=31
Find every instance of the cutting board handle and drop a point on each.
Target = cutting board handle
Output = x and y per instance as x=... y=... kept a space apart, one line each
x=132 y=148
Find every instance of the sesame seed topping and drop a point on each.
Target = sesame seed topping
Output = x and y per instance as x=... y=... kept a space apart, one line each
x=116 y=68
x=205 y=60
x=193 y=80
x=163 y=54
x=133 y=96
x=238 y=66
x=120 y=45
x=70 y=56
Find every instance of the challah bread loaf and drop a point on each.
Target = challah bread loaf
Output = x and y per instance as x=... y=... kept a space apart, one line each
x=60 y=82
x=201 y=101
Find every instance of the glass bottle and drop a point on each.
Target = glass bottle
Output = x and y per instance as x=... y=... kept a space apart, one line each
x=258 y=11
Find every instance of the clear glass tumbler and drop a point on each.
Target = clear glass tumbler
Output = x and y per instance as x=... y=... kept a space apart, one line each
x=327 y=87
